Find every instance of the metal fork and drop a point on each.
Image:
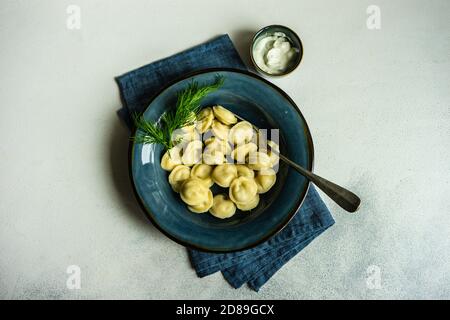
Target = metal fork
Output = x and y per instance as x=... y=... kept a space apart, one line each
x=343 y=197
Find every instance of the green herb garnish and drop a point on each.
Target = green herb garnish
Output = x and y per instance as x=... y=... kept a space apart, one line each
x=185 y=114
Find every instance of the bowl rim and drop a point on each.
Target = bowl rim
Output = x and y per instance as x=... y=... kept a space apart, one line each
x=255 y=37
x=277 y=228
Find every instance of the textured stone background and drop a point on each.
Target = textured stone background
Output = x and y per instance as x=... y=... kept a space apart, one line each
x=377 y=102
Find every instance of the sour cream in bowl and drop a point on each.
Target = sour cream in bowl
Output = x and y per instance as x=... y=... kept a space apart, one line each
x=276 y=50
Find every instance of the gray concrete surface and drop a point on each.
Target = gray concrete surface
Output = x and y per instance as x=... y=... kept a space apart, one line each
x=377 y=101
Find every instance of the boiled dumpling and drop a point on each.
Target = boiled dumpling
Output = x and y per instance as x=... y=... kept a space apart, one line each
x=222 y=207
x=215 y=151
x=192 y=153
x=273 y=146
x=252 y=204
x=205 y=120
x=265 y=179
x=225 y=116
x=272 y=152
x=171 y=158
x=194 y=184
x=259 y=160
x=240 y=153
x=213 y=157
x=204 y=206
x=185 y=134
x=218 y=144
x=224 y=174
x=260 y=138
x=194 y=192
x=203 y=172
x=244 y=171
x=178 y=175
x=220 y=130
x=240 y=133
x=243 y=190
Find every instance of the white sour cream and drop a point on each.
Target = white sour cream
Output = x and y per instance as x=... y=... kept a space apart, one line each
x=273 y=53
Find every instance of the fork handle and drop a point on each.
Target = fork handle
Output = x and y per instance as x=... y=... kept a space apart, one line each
x=343 y=197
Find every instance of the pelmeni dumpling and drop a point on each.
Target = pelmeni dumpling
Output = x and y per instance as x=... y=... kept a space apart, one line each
x=178 y=175
x=171 y=158
x=244 y=171
x=205 y=120
x=252 y=204
x=222 y=207
x=259 y=160
x=240 y=133
x=273 y=145
x=185 y=134
x=220 y=130
x=213 y=157
x=204 y=206
x=272 y=152
x=215 y=151
x=243 y=190
x=265 y=179
x=225 y=116
x=224 y=174
x=241 y=152
x=203 y=172
x=218 y=144
x=194 y=192
x=192 y=153
x=194 y=183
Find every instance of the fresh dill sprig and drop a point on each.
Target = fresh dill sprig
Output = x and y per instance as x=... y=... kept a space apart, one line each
x=185 y=114
x=188 y=103
x=149 y=132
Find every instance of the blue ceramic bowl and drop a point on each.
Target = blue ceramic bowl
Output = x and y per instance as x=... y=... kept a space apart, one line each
x=266 y=106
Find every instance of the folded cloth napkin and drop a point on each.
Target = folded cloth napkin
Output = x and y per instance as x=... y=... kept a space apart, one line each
x=253 y=266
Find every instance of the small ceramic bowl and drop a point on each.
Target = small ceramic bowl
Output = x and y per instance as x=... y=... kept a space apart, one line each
x=293 y=38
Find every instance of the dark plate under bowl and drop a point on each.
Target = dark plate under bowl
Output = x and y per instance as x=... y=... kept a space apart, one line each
x=261 y=103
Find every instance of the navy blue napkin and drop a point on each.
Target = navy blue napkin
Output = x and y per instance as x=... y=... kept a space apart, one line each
x=253 y=266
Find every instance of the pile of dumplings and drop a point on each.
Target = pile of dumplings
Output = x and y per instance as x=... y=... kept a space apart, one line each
x=229 y=157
